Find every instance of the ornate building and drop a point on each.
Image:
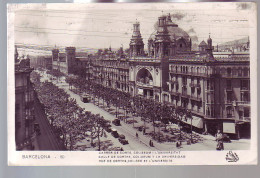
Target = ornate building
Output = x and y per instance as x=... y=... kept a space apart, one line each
x=68 y=62
x=24 y=104
x=214 y=86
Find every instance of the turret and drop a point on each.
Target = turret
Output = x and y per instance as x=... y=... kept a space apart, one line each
x=55 y=54
x=136 y=43
x=162 y=39
x=16 y=55
x=210 y=48
x=209 y=42
x=70 y=56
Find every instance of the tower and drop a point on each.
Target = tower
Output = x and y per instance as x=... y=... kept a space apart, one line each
x=70 y=59
x=136 y=43
x=162 y=39
x=55 y=54
x=209 y=48
x=16 y=55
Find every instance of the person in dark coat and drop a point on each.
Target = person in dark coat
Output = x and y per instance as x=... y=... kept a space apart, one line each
x=219 y=139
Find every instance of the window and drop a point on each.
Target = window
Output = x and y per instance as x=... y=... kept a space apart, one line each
x=245 y=96
x=229 y=97
x=246 y=112
x=229 y=111
x=180 y=45
x=240 y=113
x=244 y=84
x=207 y=84
x=192 y=105
x=245 y=72
x=198 y=91
x=229 y=84
x=184 y=80
x=228 y=71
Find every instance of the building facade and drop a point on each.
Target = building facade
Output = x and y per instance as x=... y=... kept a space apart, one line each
x=68 y=62
x=214 y=86
x=24 y=104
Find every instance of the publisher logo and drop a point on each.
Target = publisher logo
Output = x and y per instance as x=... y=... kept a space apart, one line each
x=232 y=157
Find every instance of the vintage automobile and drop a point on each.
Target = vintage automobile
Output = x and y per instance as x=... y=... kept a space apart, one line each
x=85 y=98
x=123 y=141
x=121 y=136
x=116 y=122
x=114 y=133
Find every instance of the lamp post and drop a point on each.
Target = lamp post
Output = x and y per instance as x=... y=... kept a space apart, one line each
x=189 y=115
x=180 y=117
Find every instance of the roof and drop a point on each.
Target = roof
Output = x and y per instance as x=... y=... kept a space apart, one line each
x=174 y=32
x=203 y=43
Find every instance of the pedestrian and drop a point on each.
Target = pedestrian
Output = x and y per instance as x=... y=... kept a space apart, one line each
x=219 y=139
x=136 y=135
x=150 y=142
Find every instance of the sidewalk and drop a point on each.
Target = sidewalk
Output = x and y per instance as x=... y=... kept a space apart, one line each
x=208 y=142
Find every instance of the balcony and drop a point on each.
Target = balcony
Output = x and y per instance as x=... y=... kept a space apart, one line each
x=145 y=85
x=196 y=98
x=185 y=95
x=190 y=73
x=244 y=88
x=247 y=119
x=176 y=93
x=242 y=103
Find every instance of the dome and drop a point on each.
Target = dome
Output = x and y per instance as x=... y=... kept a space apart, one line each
x=174 y=31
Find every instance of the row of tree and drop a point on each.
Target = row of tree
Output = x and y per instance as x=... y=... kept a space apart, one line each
x=147 y=109
x=69 y=120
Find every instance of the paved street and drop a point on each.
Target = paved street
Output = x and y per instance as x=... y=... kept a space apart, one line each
x=142 y=142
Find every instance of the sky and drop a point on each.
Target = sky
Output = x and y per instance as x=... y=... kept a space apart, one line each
x=93 y=26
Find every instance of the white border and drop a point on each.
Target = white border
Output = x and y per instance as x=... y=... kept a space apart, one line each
x=246 y=157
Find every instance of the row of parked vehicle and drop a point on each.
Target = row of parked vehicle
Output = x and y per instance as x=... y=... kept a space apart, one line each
x=114 y=133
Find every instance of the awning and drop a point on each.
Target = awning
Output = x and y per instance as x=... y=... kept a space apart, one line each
x=229 y=127
x=196 y=121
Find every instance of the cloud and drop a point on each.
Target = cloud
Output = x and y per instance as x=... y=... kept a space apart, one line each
x=191 y=30
x=194 y=38
x=178 y=16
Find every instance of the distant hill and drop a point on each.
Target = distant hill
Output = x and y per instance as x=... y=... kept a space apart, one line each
x=81 y=51
x=234 y=43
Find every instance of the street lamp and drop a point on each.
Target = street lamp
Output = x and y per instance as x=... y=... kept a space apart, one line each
x=189 y=115
x=180 y=127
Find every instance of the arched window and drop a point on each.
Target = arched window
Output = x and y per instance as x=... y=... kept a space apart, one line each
x=229 y=111
x=228 y=71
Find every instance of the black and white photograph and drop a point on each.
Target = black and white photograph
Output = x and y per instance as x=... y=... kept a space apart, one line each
x=132 y=78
